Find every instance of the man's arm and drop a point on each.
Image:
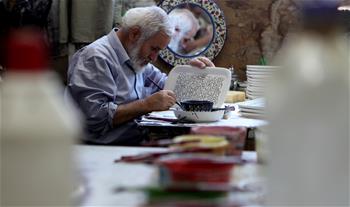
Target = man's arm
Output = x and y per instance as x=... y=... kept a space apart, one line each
x=160 y=101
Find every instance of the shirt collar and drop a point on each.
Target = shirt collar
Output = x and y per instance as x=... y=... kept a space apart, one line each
x=117 y=46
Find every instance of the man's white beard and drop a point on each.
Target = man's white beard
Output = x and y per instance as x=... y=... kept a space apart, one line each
x=135 y=60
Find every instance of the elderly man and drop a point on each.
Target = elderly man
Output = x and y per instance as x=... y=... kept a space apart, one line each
x=109 y=79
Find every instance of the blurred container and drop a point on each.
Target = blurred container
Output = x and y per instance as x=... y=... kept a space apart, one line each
x=160 y=197
x=195 y=172
x=308 y=105
x=217 y=145
x=261 y=144
x=37 y=130
x=235 y=136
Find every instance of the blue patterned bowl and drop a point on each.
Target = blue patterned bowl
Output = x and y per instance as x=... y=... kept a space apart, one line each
x=197 y=105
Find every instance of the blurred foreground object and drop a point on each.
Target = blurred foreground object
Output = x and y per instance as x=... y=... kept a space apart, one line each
x=308 y=161
x=235 y=136
x=38 y=131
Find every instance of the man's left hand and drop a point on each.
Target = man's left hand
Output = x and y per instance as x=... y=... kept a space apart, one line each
x=201 y=62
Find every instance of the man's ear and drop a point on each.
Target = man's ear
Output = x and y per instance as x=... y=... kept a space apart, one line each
x=134 y=33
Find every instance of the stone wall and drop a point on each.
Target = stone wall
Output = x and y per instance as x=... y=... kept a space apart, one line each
x=256 y=29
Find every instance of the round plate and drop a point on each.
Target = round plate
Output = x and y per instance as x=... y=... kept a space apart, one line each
x=199 y=116
x=219 y=30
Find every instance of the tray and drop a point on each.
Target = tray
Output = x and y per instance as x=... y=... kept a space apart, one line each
x=190 y=83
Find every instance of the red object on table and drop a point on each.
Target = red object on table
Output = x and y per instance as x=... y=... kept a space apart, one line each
x=191 y=170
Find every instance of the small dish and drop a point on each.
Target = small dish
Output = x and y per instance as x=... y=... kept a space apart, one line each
x=199 y=116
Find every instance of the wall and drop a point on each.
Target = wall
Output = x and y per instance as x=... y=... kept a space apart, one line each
x=255 y=29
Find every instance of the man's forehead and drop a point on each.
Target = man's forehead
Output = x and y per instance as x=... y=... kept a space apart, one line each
x=160 y=34
x=160 y=39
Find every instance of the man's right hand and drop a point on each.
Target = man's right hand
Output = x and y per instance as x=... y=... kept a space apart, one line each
x=161 y=101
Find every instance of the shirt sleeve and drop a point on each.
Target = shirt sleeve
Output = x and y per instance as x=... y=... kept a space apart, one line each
x=93 y=88
x=153 y=73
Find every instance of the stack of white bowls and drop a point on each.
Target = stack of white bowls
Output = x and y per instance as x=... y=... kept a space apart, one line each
x=257 y=79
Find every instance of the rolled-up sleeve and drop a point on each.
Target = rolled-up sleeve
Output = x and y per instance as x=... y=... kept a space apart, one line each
x=93 y=88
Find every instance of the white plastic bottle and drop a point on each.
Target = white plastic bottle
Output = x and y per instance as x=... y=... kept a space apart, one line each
x=38 y=132
x=308 y=160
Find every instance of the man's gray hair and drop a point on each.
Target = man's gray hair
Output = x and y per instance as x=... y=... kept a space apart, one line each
x=150 y=19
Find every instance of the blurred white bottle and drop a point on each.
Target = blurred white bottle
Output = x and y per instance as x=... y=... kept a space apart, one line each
x=308 y=160
x=37 y=132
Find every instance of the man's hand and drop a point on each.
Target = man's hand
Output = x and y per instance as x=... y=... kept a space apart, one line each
x=201 y=62
x=161 y=101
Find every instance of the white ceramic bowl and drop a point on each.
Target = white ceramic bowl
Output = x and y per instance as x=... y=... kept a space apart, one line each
x=199 y=116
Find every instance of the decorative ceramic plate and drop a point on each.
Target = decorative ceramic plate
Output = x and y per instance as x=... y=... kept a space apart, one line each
x=215 y=19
